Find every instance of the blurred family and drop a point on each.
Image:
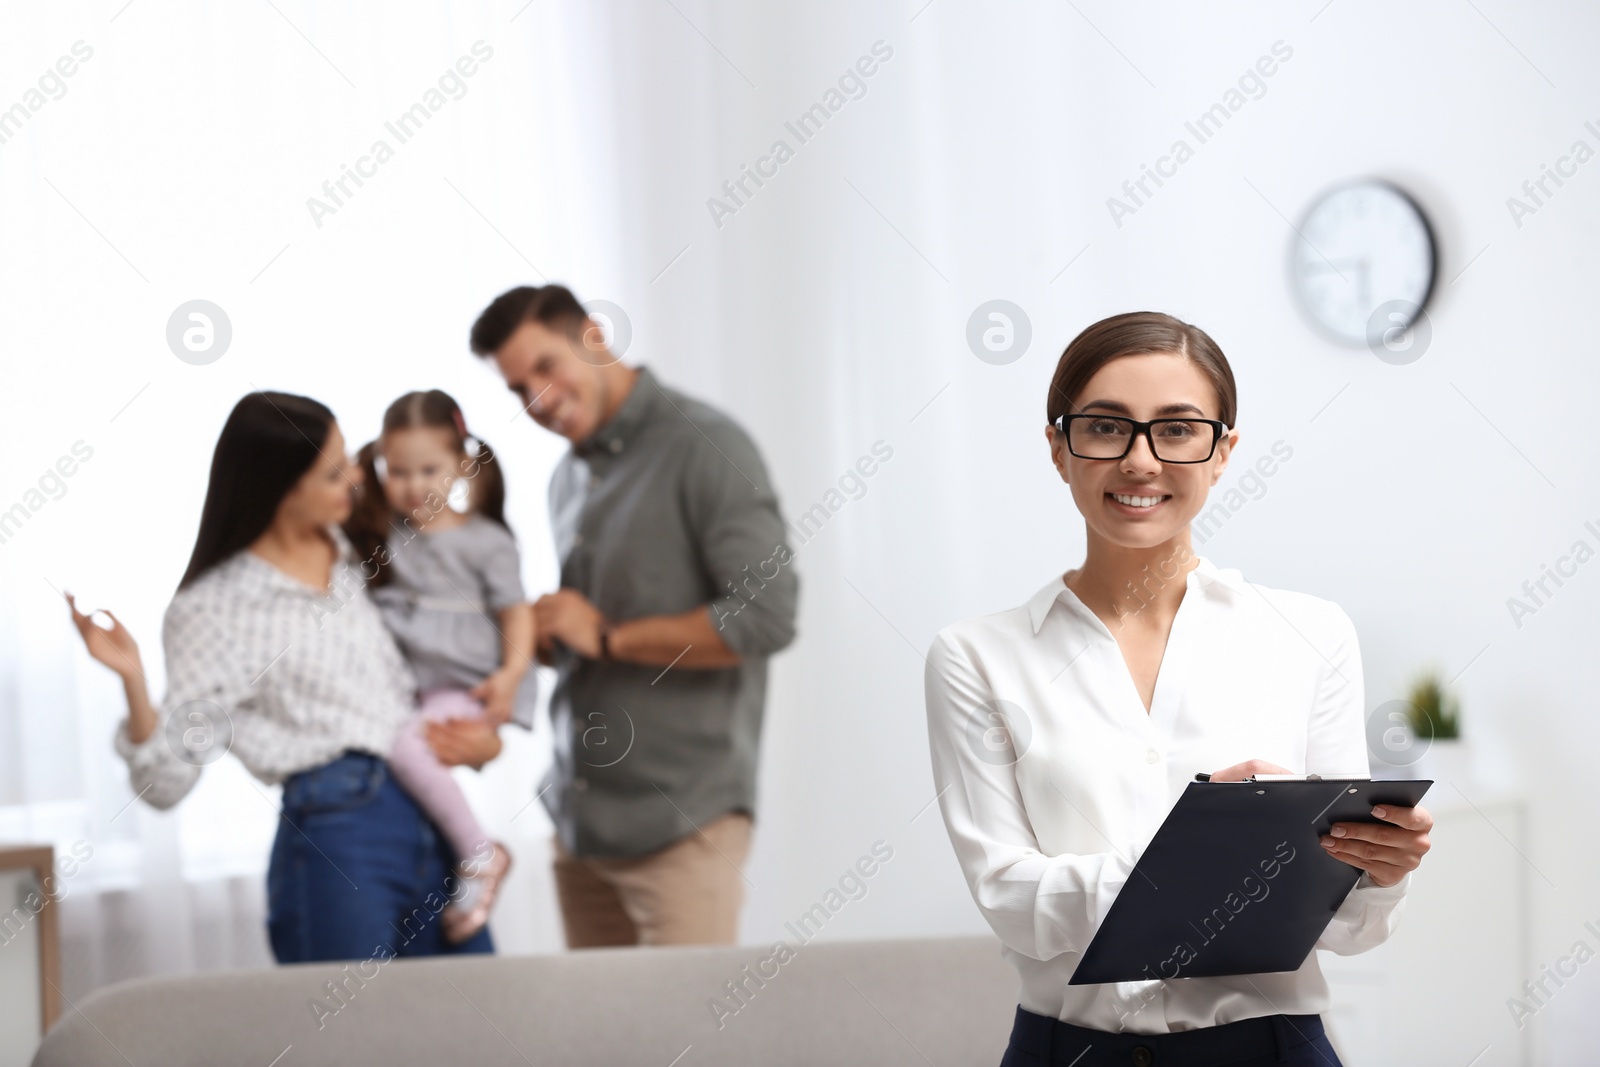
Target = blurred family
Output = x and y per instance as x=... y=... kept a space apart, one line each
x=354 y=629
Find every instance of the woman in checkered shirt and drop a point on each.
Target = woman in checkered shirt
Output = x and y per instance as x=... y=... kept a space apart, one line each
x=275 y=652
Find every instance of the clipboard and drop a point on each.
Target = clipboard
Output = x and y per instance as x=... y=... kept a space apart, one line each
x=1235 y=880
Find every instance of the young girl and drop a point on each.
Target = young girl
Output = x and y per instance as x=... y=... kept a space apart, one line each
x=447 y=581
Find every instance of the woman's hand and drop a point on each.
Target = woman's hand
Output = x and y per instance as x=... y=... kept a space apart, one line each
x=115 y=647
x=1385 y=852
x=497 y=692
x=1240 y=771
x=464 y=742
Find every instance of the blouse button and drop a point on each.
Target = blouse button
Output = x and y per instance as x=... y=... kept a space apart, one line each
x=1152 y=756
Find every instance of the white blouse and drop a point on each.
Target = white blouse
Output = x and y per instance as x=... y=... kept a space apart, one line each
x=284 y=676
x=1053 y=778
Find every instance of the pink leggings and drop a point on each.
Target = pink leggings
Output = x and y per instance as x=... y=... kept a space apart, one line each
x=430 y=782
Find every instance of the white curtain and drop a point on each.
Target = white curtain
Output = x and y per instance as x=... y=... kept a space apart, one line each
x=177 y=163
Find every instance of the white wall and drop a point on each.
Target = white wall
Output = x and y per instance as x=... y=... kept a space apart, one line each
x=828 y=313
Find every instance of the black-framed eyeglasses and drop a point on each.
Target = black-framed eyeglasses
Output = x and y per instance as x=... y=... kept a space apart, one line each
x=1112 y=436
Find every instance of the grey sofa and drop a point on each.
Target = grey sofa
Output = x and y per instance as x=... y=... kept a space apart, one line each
x=945 y=1001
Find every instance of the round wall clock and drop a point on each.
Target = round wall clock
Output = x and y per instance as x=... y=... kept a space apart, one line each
x=1362 y=264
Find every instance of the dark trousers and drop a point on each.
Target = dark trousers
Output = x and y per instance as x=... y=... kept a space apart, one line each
x=357 y=871
x=1268 y=1041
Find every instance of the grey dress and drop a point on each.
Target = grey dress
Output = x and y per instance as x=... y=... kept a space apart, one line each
x=443 y=600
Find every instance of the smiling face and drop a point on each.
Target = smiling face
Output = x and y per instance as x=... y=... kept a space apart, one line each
x=1137 y=501
x=560 y=379
x=324 y=494
x=420 y=464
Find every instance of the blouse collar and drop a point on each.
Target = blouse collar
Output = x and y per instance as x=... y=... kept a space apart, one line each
x=1208 y=574
x=270 y=573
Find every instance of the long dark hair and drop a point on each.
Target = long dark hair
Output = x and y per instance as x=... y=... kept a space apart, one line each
x=368 y=526
x=267 y=445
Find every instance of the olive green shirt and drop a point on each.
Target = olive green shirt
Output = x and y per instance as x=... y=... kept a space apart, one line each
x=666 y=507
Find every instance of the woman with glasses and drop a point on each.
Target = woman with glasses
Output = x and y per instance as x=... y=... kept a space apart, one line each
x=1063 y=730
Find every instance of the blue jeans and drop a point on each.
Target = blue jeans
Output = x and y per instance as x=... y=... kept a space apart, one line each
x=357 y=871
x=1266 y=1041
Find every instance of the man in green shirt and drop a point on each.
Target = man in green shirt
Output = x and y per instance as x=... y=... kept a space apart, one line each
x=677 y=584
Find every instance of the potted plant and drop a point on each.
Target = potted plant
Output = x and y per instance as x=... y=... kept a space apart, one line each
x=1433 y=714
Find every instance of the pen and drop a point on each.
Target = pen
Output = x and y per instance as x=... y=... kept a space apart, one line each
x=1203 y=776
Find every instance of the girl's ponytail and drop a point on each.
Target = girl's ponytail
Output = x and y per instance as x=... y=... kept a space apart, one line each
x=487 y=481
x=368 y=525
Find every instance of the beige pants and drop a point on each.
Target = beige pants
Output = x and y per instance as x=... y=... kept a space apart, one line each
x=687 y=893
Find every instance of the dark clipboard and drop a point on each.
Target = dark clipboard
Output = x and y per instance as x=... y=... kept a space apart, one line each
x=1175 y=918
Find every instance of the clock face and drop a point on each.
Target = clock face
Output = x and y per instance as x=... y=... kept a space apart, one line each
x=1363 y=262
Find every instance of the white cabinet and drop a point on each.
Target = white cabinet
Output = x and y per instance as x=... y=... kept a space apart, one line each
x=29 y=953
x=1436 y=992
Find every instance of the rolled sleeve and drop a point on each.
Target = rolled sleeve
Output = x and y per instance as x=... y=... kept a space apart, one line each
x=734 y=513
x=155 y=773
x=205 y=686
